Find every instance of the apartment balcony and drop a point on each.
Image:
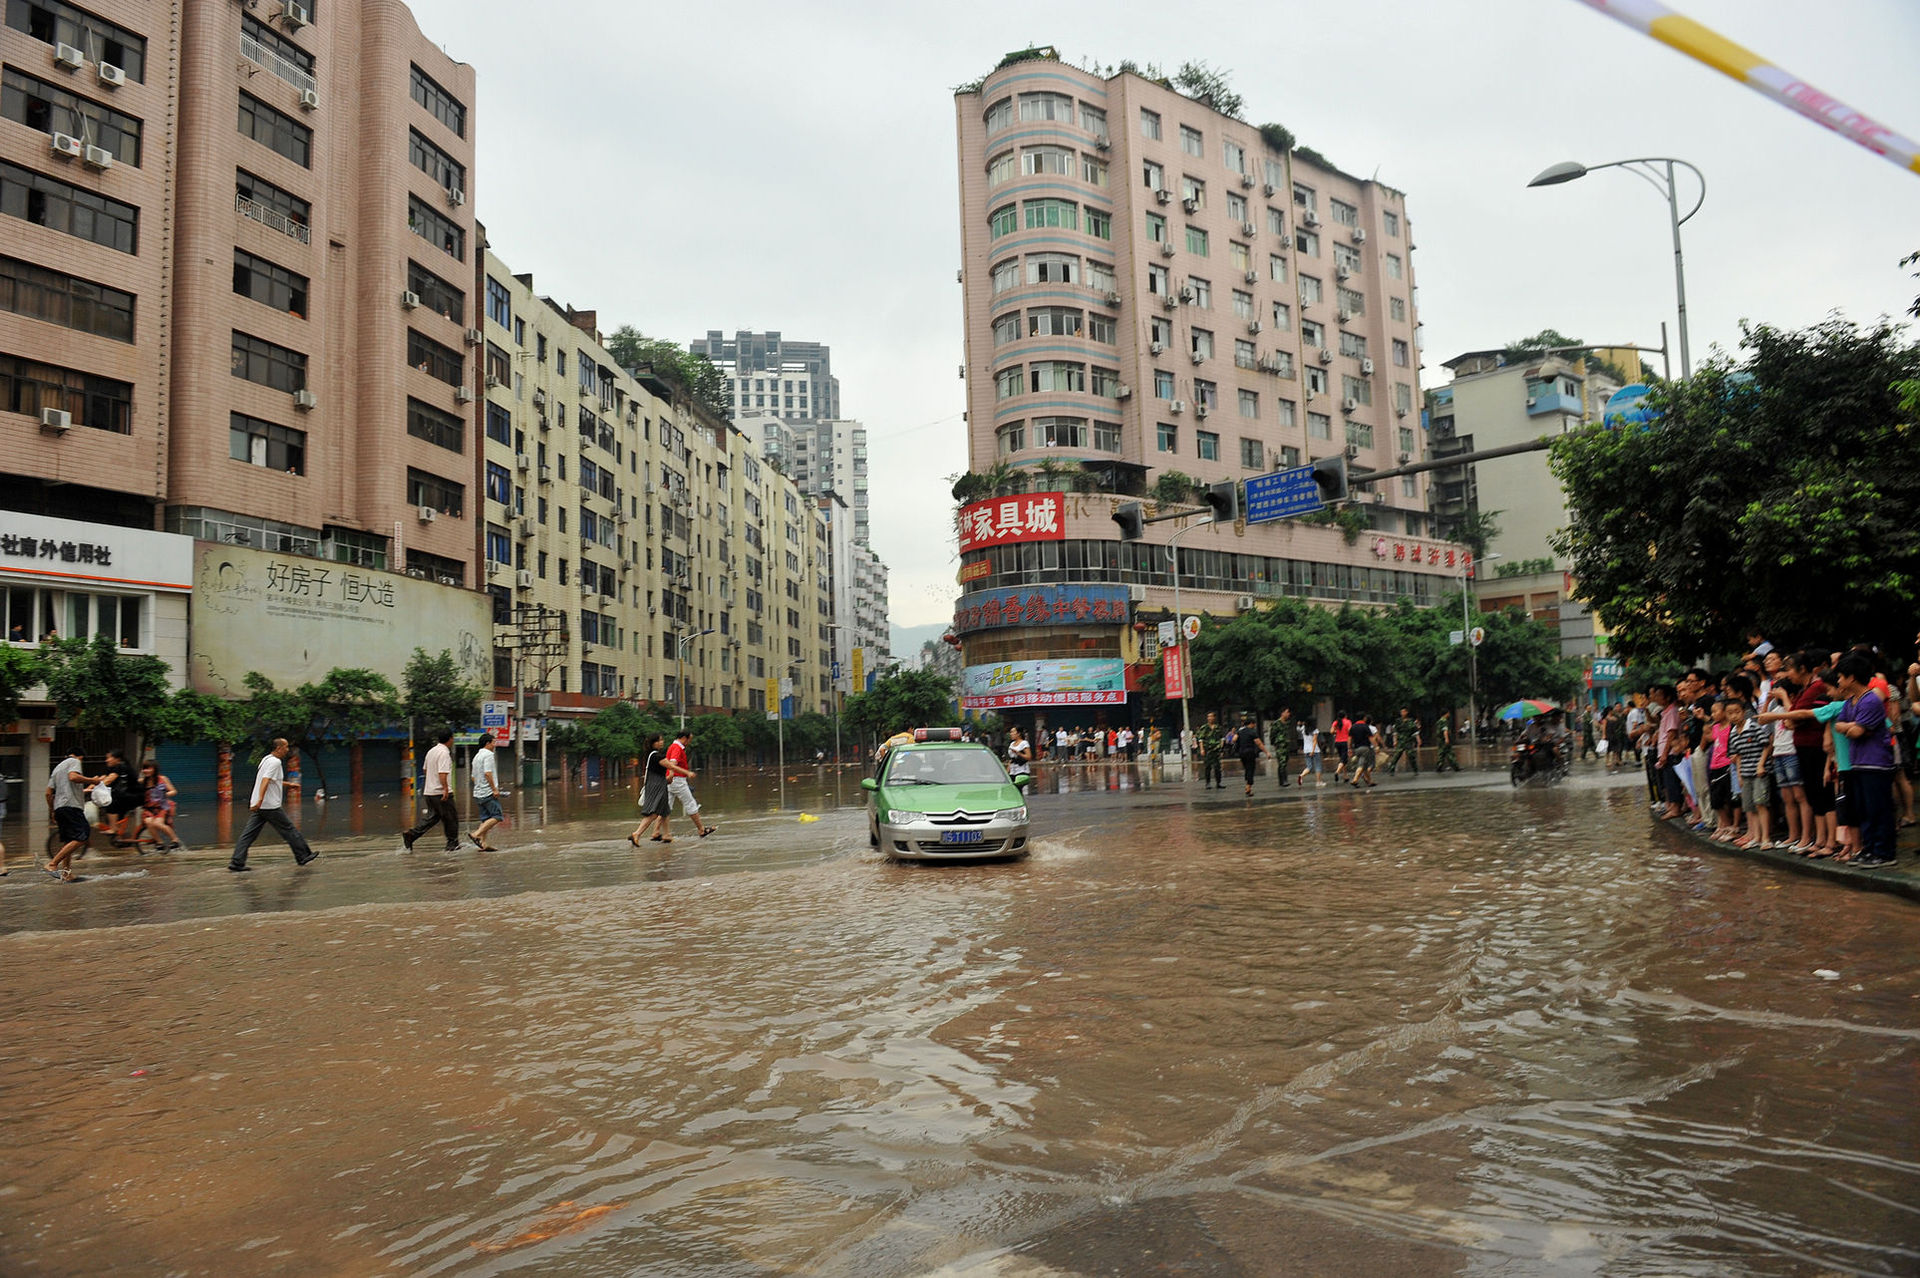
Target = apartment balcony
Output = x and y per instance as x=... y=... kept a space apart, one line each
x=1542 y=402
x=253 y=51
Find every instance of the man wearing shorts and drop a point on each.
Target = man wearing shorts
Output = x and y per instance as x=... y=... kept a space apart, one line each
x=66 y=797
x=486 y=792
x=679 y=770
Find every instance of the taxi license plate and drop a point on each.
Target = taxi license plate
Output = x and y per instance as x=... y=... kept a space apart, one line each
x=960 y=836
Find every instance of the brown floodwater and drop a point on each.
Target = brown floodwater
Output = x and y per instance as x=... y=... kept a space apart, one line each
x=1438 y=1031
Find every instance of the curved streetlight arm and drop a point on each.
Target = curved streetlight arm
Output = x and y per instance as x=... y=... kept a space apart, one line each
x=1669 y=161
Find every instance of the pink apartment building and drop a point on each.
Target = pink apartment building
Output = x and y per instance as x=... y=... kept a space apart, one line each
x=250 y=289
x=1149 y=286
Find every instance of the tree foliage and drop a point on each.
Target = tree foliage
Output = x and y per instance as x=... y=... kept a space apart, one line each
x=20 y=669
x=345 y=706
x=1529 y=348
x=1781 y=493
x=1205 y=85
x=695 y=374
x=97 y=688
x=435 y=694
x=898 y=700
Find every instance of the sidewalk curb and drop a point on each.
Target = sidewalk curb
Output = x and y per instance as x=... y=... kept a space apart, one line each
x=1897 y=879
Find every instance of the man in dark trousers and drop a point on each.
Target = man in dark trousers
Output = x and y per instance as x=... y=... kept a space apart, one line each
x=1406 y=743
x=1283 y=734
x=1207 y=743
x=1248 y=745
x=438 y=793
x=265 y=808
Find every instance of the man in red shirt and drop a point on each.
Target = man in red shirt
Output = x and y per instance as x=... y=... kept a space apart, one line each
x=678 y=770
x=1342 y=740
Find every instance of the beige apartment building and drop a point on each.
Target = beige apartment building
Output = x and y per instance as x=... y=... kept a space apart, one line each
x=644 y=533
x=1151 y=286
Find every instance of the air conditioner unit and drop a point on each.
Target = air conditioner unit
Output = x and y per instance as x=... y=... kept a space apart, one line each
x=1348 y=404
x=305 y=399
x=1399 y=412
x=1113 y=299
x=1163 y=195
x=1343 y=272
x=1198 y=358
x=1267 y=189
x=1531 y=401
x=1169 y=302
x=525 y=579
x=1366 y=368
x=1103 y=144
x=1310 y=218
x=1190 y=204
x=525 y=529
x=1326 y=356
x=494 y=383
x=456 y=197
x=295 y=14
x=68 y=56
x=1186 y=294
x=1253 y=277
x=1158 y=348
x=410 y=300
x=1200 y=409
x=55 y=419
x=1353 y=451
x=1244 y=603
x=589 y=587
x=652 y=610
x=309 y=100
x=1177 y=406
x=98 y=157
x=428 y=514
x=1253 y=326
x=1379 y=499
x=1405 y=458
x=523 y=461
x=475 y=337
x=495 y=568
x=110 y=74
x=1123 y=391
x=1166 y=248
x=540 y=399
x=67 y=145
x=1359 y=235
x=649 y=488
x=463 y=395
x=1248 y=228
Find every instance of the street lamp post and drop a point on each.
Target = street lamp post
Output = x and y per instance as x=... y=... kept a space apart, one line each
x=1657 y=171
x=680 y=670
x=1473 y=654
x=1180 y=655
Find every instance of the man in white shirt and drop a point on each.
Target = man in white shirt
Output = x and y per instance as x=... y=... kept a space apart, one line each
x=438 y=794
x=486 y=792
x=265 y=807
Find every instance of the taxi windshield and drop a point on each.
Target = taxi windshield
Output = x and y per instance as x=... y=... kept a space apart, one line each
x=945 y=767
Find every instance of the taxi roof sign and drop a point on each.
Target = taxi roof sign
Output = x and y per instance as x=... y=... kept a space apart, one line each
x=937 y=734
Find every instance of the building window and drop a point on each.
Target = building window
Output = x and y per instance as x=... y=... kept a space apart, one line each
x=499 y=424
x=1397 y=308
x=1105 y=381
x=1012 y=437
x=1099 y=225
x=1160 y=331
x=1406 y=439
x=1343 y=213
x=999 y=116
x=1234 y=156
x=100 y=403
x=1059 y=432
x=1191 y=142
x=1353 y=345
x=499 y=303
x=1206 y=393
x=266 y=444
x=1001 y=169
x=1106 y=437
x=1307 y=242
x=444 y=495
x=1409 y=487
x=1236 y=207
x=1006 y=329
x=1153 y=175
x=1357 y=389
x=1391 y=221
x=267 y=204
x=1304 y=197
x=1313 y=333
x=66 y=300
x=1275 y=172
x=1202 y=292
x=1347 y=257
x=1162 y=384
x=1046 y=106
x=1006 y=275
x=1053 y=321
x=1283 y=364
x=1040 y=214
x=1396 y=269
x=1316 y=381
x=1276 y=268
x=1400 y=353
x=1403 y=403
x=436 y=294
x=1360 y=434
x=268 y=284
x=1047 y=161
x=1276 y=222
x=1093 y=170
x=446 y=172
x=1319 y=426
x=427 y=222
x=1196 y=241
x=1009 y=382
x=1206 y=445
x=1156 y=228
x=1242 y=304
x=1100 y=276
x=424 y=421
x=430 y=357
x=1282 y=317
x=440 y=104
x=258 y=360
x=1150 y=124
x=500 y=487
x=262 y=44
x=276 y=130
x=1193 y=191
x=1250 y=404
x=1253 y=454
x=1003 y=221
x=1284 y=413
x=1310 y=289
x=1056 y=375
x=1244 y=354
x=1167 y=435
x=48 y=108
x=1350 y=301
x=58 y=206
x=1239 y=256
x=1202 y=342
x=56 y=22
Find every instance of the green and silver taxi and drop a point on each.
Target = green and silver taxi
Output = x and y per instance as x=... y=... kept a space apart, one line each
x=936 y=797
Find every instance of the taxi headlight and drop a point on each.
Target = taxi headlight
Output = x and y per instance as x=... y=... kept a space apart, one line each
x=1015 y=815
x=905 y=818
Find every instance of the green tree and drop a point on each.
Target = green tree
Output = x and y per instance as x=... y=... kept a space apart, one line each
x=20 y=669
x=345 y=706
x=190 y=716
x=97 y=688
x=1205 y=85
x=898 y=700
x=1782 y=493
x=435 y=694
x=1528 y=348
x=695 y=374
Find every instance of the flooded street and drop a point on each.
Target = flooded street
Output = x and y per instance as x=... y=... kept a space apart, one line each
x=1440 y=1031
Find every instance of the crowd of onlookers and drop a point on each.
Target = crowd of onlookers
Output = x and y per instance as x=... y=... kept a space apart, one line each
x=1809 y=752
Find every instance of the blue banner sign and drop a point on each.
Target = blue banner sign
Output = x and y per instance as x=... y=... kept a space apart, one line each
x=1282 y=495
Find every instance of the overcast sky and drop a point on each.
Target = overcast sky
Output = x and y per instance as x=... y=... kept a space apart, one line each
x=791 y=166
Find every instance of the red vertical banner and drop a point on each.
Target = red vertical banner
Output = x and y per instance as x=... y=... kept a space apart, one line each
x=1175 y=676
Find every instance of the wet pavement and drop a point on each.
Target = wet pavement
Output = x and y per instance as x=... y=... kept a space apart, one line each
x=1438 y=1027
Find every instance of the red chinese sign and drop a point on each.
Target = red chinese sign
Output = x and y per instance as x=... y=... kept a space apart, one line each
x=1175 y=676
x=1413 y=552
x=1005 y=521
x=1040 y=606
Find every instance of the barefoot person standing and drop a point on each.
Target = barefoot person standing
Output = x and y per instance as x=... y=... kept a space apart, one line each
x=265 y=807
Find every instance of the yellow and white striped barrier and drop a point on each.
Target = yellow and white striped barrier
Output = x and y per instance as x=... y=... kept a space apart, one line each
x=1650 y=17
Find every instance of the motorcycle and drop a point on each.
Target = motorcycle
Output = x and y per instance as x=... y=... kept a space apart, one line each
x=1536 y=758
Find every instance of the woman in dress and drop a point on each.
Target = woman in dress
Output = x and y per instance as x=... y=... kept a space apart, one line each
x=157 y=807
x=654 y=801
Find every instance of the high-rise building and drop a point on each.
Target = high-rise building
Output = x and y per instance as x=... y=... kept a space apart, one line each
x=1159 y=296
x=773 y=375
